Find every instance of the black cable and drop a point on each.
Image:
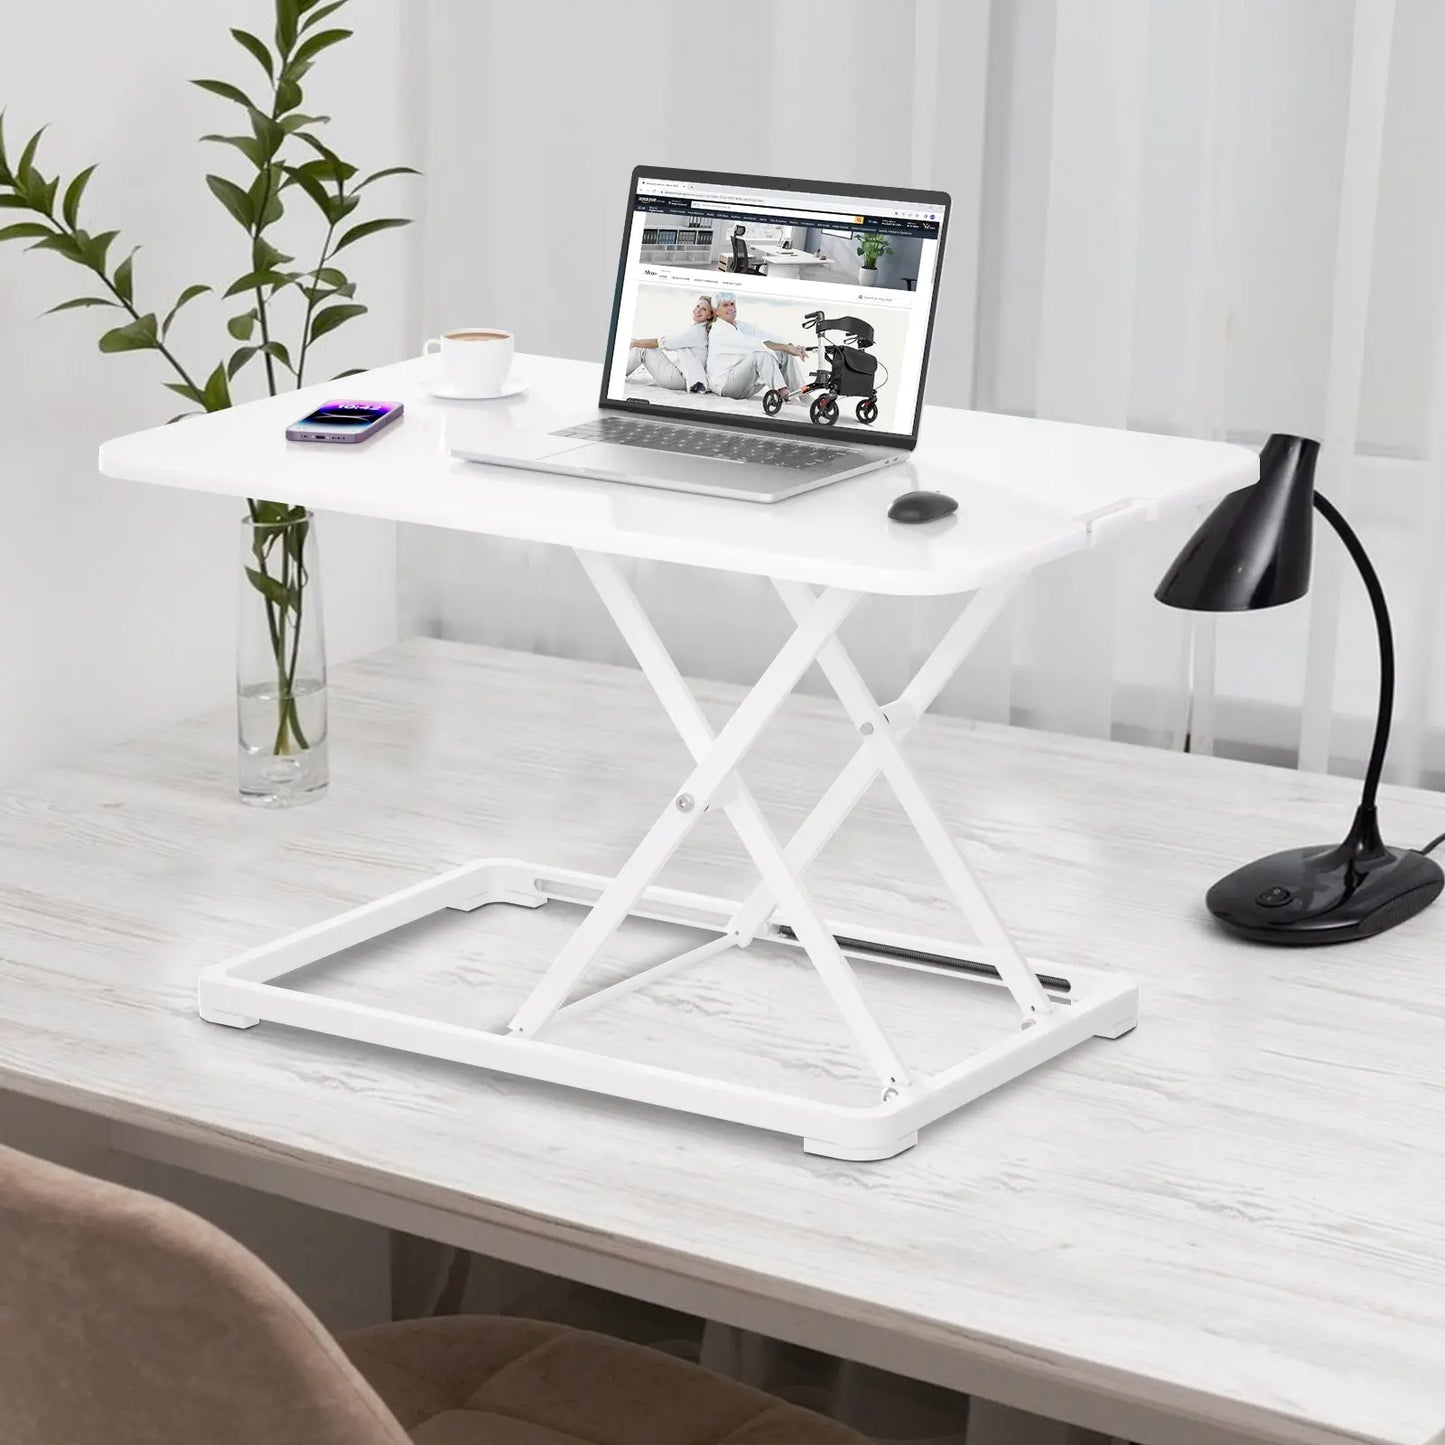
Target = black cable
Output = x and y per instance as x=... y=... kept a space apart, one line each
x=1432 y=845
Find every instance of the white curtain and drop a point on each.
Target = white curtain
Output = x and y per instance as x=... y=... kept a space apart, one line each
x=1213 y=217
x=1221 y=218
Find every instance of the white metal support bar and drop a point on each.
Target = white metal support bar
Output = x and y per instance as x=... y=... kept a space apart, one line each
x=870 y=720
x=744 y=814
x=848 y=788
x=955 y=645
x=683 y=811
x=590 y=1002
x=716 y=758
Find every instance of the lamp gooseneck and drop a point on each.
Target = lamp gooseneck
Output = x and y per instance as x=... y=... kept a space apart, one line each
x=1385 y=711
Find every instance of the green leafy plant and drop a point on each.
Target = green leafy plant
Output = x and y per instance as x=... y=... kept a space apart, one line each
x=285 y=159
x=872 y=245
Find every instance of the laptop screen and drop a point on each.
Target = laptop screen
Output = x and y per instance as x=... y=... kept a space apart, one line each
x=767 y=306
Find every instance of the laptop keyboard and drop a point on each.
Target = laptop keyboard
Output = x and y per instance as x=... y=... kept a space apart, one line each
x=714 y=442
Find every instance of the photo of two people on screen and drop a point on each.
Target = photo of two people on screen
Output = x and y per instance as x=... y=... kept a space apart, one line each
x=718 y=351
x=725 y=350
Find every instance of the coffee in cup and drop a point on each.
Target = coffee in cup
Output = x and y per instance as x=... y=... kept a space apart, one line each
x=475 y=360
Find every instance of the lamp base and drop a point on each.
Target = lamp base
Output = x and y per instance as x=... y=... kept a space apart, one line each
x=1334 y=893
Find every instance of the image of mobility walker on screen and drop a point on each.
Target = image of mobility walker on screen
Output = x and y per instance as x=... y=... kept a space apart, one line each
x=847 y=370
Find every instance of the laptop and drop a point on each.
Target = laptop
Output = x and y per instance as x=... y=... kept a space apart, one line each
x=768 y=337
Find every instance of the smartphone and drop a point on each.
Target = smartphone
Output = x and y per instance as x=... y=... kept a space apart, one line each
x=344 y=421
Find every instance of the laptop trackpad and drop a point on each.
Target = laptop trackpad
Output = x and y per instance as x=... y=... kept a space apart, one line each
x=610 y=460
x=492 y=445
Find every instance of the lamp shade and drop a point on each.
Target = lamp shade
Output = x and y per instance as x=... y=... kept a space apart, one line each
x=1254 y=548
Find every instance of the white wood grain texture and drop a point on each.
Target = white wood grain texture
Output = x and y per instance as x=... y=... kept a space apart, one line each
x=1229 y=1220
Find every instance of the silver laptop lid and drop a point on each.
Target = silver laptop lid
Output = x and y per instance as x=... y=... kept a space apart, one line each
x=720 y=273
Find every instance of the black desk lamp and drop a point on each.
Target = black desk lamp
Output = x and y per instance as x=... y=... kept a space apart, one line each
x=1253 y=551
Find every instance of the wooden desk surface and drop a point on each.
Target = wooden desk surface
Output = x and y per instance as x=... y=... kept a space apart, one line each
x=1228 y=1221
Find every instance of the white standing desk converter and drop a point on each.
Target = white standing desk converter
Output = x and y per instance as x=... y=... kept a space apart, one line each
x=1028 y=491
x=787 y=262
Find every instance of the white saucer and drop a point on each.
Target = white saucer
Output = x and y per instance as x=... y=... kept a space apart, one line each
x=439 y=386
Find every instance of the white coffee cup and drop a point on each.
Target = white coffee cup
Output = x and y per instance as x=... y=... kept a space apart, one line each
x=475 y=359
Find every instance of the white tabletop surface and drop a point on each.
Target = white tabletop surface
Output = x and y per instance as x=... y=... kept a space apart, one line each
x=1229 y=1220
x=1028 y=490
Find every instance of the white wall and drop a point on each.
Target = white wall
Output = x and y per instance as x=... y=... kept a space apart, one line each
x=119 y=600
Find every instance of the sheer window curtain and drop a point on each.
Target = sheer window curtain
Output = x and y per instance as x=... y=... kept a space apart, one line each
x=1213 y=217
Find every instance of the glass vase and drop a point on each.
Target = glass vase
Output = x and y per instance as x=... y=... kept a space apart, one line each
x=281 y=660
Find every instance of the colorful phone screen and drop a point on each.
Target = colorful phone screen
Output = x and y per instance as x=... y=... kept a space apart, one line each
x=346 y=415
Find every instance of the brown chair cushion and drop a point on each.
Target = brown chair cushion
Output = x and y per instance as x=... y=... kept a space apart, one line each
x=471 y=1380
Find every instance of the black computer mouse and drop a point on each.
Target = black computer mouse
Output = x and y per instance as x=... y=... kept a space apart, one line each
x=922 y=507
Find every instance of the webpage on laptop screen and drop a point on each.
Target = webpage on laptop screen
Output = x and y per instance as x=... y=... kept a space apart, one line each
x=776 y=304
